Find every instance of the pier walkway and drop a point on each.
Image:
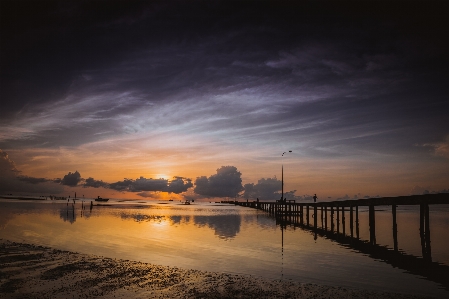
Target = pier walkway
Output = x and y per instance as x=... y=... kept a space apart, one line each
x=332 y=225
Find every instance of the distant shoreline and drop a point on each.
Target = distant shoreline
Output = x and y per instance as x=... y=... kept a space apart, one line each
x=34 y=271
x=22 y=197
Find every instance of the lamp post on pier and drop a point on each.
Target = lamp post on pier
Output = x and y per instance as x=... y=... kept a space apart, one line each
x=282 y=197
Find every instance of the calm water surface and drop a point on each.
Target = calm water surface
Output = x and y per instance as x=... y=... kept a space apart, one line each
x=226 y=238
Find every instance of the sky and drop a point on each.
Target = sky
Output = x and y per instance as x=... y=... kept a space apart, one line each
x=200 y=99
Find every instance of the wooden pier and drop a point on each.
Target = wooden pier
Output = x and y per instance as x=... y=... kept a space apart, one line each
x=332 y=225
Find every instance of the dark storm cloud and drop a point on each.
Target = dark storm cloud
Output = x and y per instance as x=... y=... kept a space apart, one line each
x=52 y=43
x=143 y=185
x=226 y=183
x=71 y=179
x=91 y=182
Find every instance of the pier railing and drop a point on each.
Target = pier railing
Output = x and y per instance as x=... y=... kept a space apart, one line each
x=333 y=226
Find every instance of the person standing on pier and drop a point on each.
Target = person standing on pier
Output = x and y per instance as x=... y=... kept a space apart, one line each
x=314 y=198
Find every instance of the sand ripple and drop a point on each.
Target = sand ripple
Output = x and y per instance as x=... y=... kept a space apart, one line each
x=29 y=271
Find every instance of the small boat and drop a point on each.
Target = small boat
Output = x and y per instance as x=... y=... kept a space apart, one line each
x=187 y=202
x=101 y=199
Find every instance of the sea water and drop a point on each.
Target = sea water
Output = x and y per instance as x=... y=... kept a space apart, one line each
x=227 y=238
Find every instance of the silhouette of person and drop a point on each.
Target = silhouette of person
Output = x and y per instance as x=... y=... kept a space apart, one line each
x=314 y=198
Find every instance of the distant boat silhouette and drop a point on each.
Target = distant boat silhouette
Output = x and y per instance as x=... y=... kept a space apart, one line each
x=101 y=199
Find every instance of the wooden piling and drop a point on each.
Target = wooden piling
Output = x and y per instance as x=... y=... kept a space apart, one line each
x=422 y=215
x=322 y=218
x=307 y=215
x=395 y=228
x=332 y=219
x=372 y=225
x=351 y=220
x=325 y=218
x=338 y=219
x=427 y=233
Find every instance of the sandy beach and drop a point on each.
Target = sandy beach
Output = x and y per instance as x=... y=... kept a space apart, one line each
x=29 y=271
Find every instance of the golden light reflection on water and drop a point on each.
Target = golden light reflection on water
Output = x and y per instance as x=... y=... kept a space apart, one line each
x=222 y=238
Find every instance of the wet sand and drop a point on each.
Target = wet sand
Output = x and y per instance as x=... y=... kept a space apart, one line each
x=29 y=271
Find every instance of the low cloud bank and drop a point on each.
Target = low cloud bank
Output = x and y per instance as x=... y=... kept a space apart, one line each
x=91 y=182
x=71 y=179
x=32 y=180
x=265 y=189
x=143 y=185
x=11 y=180
x=227 y=182
x=269 y=189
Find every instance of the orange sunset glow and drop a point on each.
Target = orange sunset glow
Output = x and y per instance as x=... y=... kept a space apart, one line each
x=204 y=107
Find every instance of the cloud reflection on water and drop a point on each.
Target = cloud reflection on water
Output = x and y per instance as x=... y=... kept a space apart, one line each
x=225 y=226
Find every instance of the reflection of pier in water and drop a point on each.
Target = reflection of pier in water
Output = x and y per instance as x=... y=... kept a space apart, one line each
x=68 y=213
x=299 y=214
